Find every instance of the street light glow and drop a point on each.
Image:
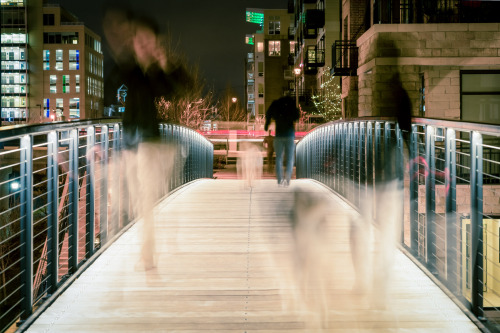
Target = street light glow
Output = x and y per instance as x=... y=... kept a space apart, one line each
x=234 y=99
x=297 y=71
x=15 y=186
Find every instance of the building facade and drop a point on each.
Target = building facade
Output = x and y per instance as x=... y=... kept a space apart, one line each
x=445 y=54
x=268 y=72
x=52 y=65
x=316 y=26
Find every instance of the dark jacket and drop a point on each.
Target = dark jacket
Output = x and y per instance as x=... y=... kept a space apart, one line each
x=140 y=119
x=285 y=113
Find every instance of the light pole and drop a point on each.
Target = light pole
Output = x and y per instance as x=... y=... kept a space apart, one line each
x=233 y=99
x=297 y=73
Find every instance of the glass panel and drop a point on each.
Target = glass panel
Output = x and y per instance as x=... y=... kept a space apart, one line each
x=485 y=82
x=481 y=108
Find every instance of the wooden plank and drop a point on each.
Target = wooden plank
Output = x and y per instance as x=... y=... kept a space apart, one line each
x=226 y=264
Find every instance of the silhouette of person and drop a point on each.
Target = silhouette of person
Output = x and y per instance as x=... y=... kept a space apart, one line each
x=284 y=113
x=269 y=145
x=148 y=76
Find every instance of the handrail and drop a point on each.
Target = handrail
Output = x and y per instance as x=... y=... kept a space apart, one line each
x=63 y=196
x=449 y=176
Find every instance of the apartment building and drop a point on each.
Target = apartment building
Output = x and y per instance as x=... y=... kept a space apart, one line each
x=268 y=72
x=52 y=64
x=446 y=55
x=73 y=67
x=316 y=26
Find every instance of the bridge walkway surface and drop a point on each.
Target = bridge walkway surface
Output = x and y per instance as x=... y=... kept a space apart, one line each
x=226 y=262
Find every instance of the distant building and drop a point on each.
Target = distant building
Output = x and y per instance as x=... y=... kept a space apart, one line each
x=268 y=72
x=316 y=26
x=52 y=65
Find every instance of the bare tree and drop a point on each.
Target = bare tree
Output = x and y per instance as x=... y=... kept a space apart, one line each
x=190 y=108
x=230 y=109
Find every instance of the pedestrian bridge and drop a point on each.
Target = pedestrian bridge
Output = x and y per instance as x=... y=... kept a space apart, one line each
x=226 y=253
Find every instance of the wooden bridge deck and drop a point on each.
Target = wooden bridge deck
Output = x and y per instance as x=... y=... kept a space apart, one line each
x=225 y=264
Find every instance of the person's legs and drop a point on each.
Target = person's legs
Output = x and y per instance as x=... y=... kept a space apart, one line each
x=289 y=157
x=279 y=148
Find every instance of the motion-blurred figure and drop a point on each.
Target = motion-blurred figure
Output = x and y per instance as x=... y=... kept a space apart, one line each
x=308 y=218
x=269 y=145
x=382 y=210
x=285 y=113
x=144 y=69
x=249 y=164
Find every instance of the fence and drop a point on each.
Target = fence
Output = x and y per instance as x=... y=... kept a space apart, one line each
x=450 y=177
x=63 y=196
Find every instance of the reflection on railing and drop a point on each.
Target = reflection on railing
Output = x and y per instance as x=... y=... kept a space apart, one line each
x=63 y=196
x=449 y=173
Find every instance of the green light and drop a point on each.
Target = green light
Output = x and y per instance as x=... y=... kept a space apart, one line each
x=249 y=40
x=254 y=17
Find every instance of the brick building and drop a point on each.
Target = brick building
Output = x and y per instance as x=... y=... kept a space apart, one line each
x=446 y=54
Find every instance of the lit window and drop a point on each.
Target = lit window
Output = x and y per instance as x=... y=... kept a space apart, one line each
x=274 y=48
x=53 y=82
x=77 y=83
x=65 y=84
x=274 y=25
x=46 y=60
x=74 y=59
x=59 y=106
x=59 y=60
x=260 y=47
x=74 y=107
x=46 y=107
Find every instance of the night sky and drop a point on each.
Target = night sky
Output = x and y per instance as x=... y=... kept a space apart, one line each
x=210 y=33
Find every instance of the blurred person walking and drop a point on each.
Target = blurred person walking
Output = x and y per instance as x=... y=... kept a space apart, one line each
x=148 y=76
x=269 y=145
x=284 y=113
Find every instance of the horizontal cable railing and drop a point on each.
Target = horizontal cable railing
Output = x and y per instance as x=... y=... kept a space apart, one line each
x=448 y=174
x=63 y=195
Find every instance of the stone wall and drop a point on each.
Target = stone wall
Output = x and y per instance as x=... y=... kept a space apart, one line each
x=438 y=52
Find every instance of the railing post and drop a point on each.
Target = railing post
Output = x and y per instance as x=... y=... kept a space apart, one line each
x=414 y=183
x=337 y=157
x=430 y=199
x=362 y=163
x=379 y=166
x=344 y=158
x=369 y=161
x=356 y=163
x=53 y=214
x=451 y=209
x=476 y=199
x=103 y=200
x=26 y=196
x=90 y=197
x=400 y=167
x=73 y=202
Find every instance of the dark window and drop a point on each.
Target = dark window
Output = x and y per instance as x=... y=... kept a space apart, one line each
x=48 y=19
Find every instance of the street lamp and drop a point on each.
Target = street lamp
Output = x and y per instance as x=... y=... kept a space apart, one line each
x=234 y=99
x=297 y=73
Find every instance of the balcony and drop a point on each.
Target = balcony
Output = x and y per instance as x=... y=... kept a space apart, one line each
x=345 y=58
x=315 y=58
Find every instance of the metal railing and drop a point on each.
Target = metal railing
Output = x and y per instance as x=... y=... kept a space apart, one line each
x=449 y=173
x=63 y=196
